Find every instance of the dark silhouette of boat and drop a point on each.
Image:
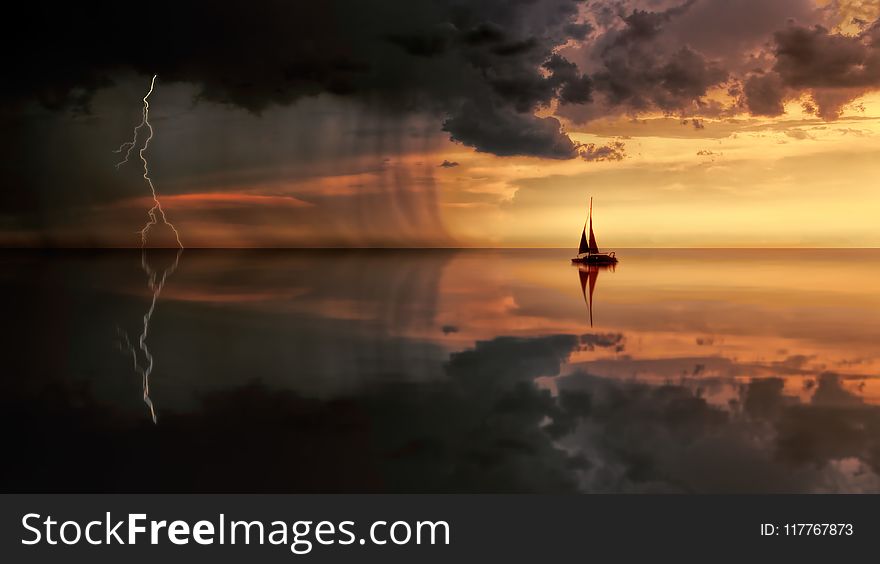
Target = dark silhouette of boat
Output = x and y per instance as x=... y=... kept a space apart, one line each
x=588 y=250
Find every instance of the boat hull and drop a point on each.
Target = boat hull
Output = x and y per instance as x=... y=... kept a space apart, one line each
x=601 y=258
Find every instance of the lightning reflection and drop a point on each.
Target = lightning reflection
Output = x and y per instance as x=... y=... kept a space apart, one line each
x=142 y=359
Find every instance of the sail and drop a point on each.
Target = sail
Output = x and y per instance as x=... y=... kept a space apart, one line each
x=583 y=247
x=594 y=248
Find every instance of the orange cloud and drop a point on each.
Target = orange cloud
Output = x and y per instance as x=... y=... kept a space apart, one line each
x=207 y=200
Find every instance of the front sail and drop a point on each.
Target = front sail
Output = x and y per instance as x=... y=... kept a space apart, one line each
x=583 y=247
x=594 y=248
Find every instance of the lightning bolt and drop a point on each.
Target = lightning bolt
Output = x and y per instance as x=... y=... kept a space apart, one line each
x=128 y=146
x=155 y=281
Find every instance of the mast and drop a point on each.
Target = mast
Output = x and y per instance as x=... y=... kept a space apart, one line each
x=593 y=247
x=591 y=233
x=584 y=246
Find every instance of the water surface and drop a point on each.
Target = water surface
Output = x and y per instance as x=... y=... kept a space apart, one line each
x=441 y=371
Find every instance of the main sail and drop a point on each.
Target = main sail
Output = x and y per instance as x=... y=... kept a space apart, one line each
x=588 y=246
x=594 y=248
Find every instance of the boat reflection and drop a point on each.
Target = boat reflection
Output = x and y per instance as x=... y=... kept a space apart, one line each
x=588 y=274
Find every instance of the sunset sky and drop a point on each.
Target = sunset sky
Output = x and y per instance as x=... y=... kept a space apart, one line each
x=691 y=123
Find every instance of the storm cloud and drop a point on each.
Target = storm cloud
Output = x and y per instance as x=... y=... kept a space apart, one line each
x=444 y=56
x=510 y=133
x=484 y=67
x=671 y=57
x=834 y=68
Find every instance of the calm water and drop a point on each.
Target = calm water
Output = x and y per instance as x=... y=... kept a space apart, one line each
x=452 y=371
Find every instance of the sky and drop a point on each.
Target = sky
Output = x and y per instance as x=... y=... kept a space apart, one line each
x=451 y=123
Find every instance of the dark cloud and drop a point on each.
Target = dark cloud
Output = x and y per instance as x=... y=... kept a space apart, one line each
x=732 y=32
x=832 y=68
x=765 y=94
x=515 y=47
x=578 y=31
x=506 y=132
x=427 y=45
x=831 y=393
x=441 y=56
x=506 y=59
x=671 y=56
x=648 y=438
x=574 y=87
x=448 y=164
x=482 y=33
x=635 y=78
x=688 y=76
x=614 y=151
x=505 y=358
x=642 y=25
x=835 y=425
x=763 y=398
x=634 y=65
x=816 y=58
x=592 y=341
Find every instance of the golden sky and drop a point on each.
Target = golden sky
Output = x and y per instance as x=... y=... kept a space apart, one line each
x=790 y=181
x=741 y=181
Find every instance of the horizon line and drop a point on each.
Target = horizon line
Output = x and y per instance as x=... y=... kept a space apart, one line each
x=410 y=248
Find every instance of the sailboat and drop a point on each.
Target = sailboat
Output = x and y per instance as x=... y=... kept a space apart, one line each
x=588 y=250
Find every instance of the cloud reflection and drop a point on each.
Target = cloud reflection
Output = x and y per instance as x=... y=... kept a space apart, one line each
x=441 y=372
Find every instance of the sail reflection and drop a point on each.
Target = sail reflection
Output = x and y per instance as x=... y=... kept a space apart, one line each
x=588 y=274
